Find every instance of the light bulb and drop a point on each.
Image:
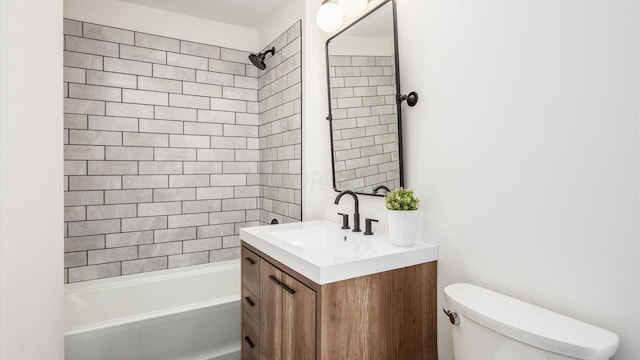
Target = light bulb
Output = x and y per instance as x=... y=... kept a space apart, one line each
x=329 y=17
x=352 y=8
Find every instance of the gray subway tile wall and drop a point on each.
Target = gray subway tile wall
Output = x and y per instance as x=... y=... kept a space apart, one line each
x=171 y=147
x=280 y=130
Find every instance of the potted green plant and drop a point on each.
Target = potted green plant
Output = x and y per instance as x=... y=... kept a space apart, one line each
x=402 y=206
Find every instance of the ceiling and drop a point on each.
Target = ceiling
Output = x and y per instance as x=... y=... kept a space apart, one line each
x=247 y=13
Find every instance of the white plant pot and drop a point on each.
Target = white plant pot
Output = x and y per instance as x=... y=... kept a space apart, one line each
x=403 y=226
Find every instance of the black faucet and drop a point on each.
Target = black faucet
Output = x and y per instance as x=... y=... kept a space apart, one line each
x=356 y=215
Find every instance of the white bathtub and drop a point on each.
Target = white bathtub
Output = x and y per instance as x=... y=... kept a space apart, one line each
x=190 y=313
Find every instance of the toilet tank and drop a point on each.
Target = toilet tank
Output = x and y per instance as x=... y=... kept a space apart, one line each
x=493 y=326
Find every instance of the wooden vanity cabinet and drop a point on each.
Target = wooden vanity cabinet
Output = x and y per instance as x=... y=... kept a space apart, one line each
x=388 y=315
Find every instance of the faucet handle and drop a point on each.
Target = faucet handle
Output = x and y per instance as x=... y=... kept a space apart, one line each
x=345 y=221
x=367 y=226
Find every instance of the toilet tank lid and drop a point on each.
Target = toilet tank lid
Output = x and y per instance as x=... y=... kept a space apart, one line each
x=531 y=324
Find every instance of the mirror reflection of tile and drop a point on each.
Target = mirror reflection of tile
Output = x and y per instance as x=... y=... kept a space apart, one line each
x=364 y=122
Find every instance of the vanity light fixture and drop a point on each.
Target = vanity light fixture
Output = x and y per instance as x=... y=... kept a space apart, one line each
x=353 y=8
x=331 y=14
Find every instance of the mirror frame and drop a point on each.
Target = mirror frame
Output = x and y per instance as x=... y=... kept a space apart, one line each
x=398 y=103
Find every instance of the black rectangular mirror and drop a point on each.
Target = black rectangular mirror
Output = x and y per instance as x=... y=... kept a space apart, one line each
x=364 y=112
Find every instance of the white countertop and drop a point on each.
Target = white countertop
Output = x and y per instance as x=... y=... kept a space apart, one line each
x=318 y=250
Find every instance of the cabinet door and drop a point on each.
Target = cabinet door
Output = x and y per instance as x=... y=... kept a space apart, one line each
x=270 y=312
x=298 y=320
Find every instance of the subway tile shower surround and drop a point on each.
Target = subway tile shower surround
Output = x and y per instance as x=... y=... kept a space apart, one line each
x=171 y=147
x=280 y=131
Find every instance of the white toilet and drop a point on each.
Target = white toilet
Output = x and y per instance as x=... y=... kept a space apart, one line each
x=490 y=326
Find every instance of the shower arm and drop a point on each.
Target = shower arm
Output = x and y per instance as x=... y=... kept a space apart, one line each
x=272 y=51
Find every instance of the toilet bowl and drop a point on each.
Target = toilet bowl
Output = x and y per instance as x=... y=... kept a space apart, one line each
x=487 y=325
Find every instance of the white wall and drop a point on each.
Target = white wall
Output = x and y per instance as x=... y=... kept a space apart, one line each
x=31 y=173
x=525 y=149
x=317 y=188
x=274 y=25
x=159 y=22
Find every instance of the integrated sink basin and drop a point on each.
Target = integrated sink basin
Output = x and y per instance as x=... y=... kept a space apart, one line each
x=325 y=253
x=314 y=238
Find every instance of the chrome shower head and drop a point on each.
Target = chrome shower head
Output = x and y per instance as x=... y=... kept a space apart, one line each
x=258 y=59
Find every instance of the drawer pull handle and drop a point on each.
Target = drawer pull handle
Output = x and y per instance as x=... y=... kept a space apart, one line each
x=273 y=278
x=249 y=342
x=282 y=285
x=248 y=300
x=287 y=289
x=249 y=260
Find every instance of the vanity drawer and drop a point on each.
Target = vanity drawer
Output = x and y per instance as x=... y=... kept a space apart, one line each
x=250 y=345
x=251 y=271
x=250 y=311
